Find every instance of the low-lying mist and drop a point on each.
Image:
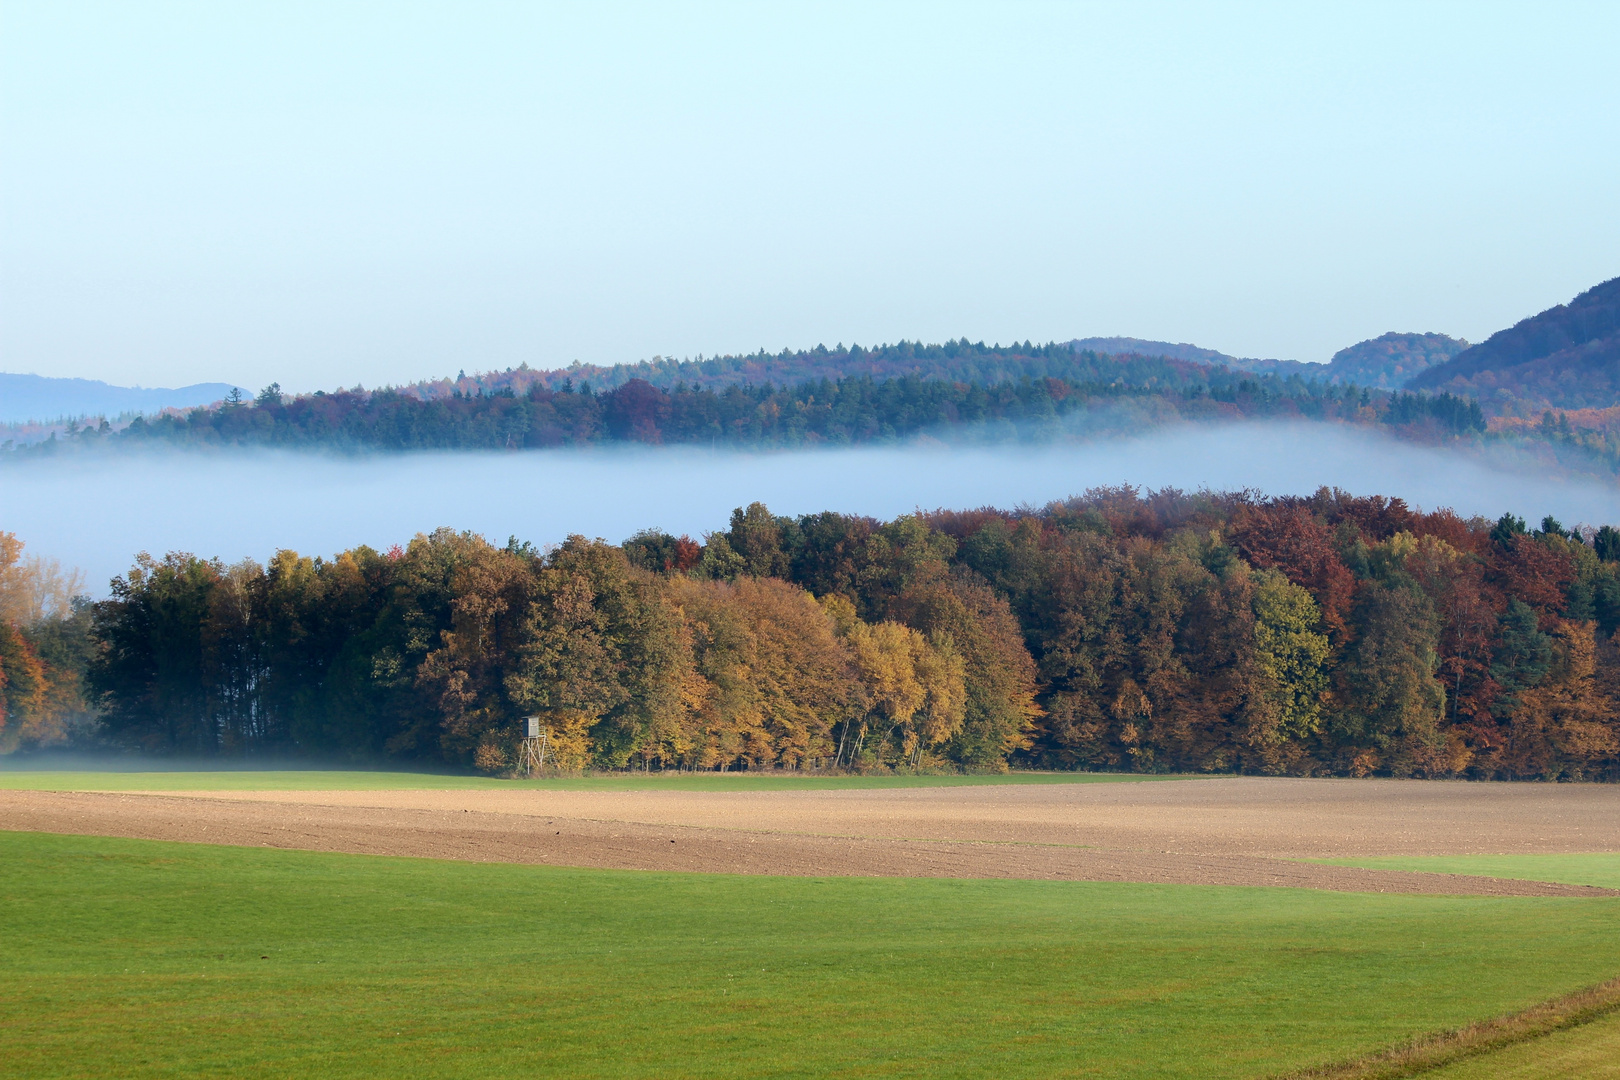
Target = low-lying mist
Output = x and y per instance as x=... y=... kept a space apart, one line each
x=97 y=512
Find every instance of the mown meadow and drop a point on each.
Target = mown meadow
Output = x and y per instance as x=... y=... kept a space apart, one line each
x=141 y=958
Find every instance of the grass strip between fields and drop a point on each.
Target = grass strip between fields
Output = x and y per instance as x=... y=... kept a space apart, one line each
x=1600 y=869
x=1436 y=1051
x=364 y=780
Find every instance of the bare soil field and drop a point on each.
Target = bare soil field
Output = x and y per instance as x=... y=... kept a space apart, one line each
x=1228 y=831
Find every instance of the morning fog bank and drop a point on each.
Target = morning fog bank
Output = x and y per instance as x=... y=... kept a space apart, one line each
x=97 y=512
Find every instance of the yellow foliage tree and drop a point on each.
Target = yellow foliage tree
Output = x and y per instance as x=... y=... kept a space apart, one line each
x=940 y=672
x=913 y=685
x=1565 y=726
x=38 y=700
x=1291 y=655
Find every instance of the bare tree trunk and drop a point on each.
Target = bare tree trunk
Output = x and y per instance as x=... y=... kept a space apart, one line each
x=887 y=735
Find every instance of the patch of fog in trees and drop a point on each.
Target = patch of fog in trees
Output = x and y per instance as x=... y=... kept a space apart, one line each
x=97 y=511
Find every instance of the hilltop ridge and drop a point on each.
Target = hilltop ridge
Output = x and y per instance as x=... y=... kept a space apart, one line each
x=1391 y=361
x=1566 y=357
x=1385 y=362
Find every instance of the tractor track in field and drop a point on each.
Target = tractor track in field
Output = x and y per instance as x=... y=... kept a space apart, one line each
x=1225 y=831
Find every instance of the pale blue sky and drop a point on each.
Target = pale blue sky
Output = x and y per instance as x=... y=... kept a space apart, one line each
x=329 y=193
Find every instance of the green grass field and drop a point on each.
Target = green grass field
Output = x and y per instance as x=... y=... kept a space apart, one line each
x=136 y=958
x=1602 y=870
x=341 y=780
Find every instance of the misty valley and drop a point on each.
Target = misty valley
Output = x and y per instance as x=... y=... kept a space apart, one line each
x=941 y=541
x=251 y=503
x=1180 y=561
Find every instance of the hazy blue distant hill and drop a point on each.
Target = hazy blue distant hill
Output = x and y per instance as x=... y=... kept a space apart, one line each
x=1124 y=346
x=1566 y=357
x=1128 y=346
x=953 y=361
x=957 y=361
x=37 y=397
x=1391 y=360
x=1386 y=362
x=956 y=390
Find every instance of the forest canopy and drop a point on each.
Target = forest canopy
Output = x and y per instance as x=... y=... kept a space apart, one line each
x=1047 y=392
x=1544 y=387
x=1121 y=630
x=959 y=392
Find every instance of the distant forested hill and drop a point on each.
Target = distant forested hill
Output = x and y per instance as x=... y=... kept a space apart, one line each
x=954 y=361
x=1392 y=360
x=1386 y=362
x=1094 y=395
x=1383 y=362
x=1129 y=346
x=996 y=394
x=1567 y=357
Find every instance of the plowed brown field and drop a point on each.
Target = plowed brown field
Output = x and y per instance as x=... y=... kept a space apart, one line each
x=1227 y=831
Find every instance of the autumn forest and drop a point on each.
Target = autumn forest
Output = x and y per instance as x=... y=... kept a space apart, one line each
x=1329 y=635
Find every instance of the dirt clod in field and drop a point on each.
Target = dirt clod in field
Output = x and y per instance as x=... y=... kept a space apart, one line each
x=1226 y=831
